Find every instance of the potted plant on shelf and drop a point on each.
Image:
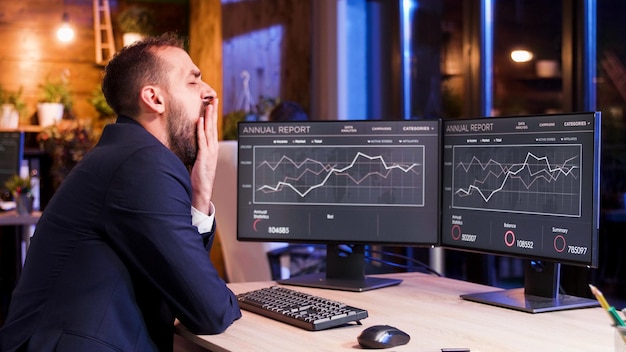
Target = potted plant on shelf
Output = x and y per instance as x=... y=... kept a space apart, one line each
x=21 y=190
x=135 y=23
x=12 y=107
x=56 y=98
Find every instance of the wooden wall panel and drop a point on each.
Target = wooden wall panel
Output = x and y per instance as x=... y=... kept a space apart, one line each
x=205 y=43
x=30 y=52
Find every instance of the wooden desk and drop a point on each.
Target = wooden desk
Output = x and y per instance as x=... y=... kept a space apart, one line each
x=430 y=310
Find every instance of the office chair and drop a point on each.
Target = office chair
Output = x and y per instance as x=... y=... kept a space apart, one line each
x=243 y=261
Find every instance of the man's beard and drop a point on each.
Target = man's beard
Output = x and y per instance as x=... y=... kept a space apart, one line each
x=182 y=134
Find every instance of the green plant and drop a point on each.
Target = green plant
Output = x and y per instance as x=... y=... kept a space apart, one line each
x=14 y=98
x=18 y=185
x=56 y=92
x=136 y=19
x=100 y=104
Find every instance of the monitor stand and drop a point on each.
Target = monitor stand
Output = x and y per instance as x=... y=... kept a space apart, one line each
x=345 y=271
x=540 y=292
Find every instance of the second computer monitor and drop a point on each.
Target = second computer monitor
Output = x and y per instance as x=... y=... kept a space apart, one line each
x=525 y=186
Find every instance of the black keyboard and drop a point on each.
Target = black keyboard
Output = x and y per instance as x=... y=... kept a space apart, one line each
x=299 y=309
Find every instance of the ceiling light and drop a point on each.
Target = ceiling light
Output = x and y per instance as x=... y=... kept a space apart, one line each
x=521 y=55
x=65 y=33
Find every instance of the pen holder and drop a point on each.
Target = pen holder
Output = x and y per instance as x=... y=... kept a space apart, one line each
x=620 y=339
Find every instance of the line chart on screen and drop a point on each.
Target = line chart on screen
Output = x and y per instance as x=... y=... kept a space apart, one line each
x=519 y=178
x=337 y=175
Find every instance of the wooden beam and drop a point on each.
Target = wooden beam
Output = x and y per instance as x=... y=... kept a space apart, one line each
x=205 y=43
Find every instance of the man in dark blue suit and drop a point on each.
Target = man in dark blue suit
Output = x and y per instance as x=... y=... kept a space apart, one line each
x=121 y=250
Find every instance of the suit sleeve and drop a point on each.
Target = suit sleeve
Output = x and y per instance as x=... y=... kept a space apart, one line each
x=149 y=223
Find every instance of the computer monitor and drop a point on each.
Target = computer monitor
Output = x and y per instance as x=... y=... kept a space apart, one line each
x=340 y=183
x=525 y=186
x=11 y=155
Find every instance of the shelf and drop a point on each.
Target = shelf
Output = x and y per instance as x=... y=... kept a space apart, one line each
x=24 y=128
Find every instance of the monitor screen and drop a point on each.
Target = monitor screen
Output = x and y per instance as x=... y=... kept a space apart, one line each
x=524 y=186
x=11 y=154
x=336 y=183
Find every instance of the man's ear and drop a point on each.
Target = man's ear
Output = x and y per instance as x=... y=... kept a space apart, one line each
x=151 y=96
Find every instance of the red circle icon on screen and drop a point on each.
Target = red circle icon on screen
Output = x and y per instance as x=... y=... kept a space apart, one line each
x=456 y=232
x=559 y=243
x=255 y=223
x=509 y=238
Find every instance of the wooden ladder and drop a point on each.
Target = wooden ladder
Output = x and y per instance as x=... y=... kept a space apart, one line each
x=103 y=31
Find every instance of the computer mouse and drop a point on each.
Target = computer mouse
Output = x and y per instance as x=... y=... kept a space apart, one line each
x=382 y=336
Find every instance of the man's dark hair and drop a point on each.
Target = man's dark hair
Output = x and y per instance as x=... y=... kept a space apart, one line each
x=133 y=67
